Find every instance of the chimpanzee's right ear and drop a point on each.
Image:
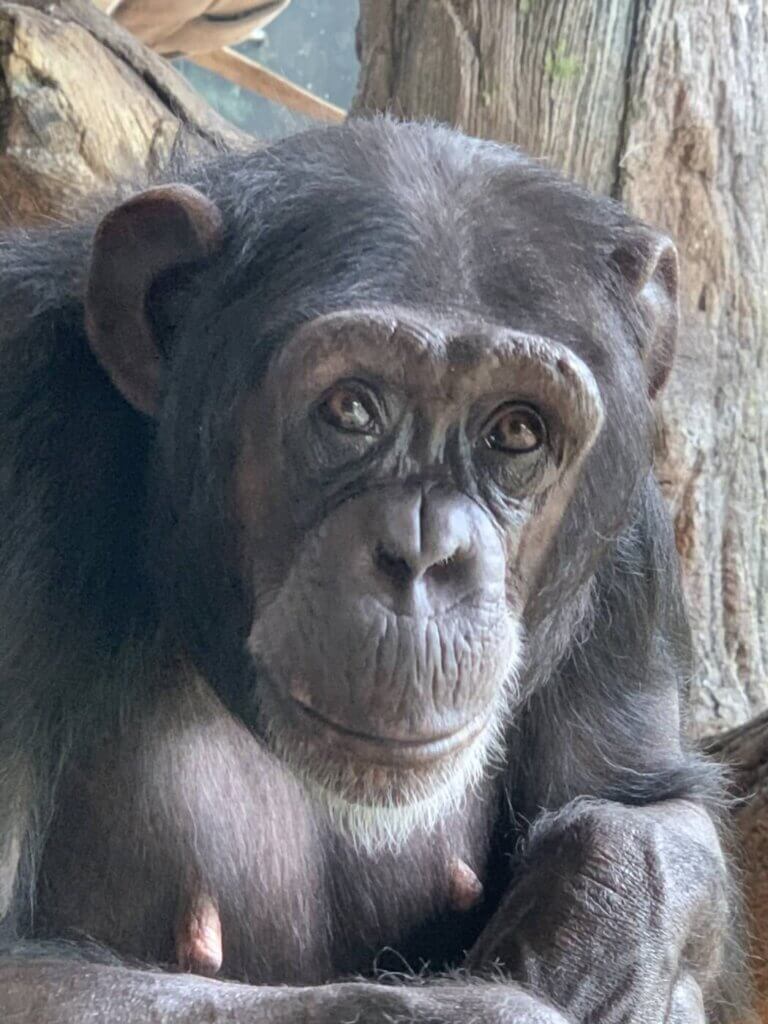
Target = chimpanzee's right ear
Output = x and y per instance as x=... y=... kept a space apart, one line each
x=647 y=261
x=152 y=232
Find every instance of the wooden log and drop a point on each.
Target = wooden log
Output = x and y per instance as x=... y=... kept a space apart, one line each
x=82 y=105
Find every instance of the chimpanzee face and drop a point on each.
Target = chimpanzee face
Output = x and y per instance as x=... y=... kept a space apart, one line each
x=397 y=481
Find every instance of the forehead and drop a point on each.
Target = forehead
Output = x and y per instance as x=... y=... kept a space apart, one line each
x=421 y=219
x=415 y=215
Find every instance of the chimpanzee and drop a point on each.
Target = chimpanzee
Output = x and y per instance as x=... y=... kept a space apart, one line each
x=342 y=648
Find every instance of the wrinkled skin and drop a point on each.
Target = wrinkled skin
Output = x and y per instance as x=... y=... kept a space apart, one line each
x=341 y=621
x=640 y=892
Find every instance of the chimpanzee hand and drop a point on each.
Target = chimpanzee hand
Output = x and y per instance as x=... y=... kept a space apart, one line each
x=618 y=914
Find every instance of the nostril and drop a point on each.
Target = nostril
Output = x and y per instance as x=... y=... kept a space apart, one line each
x=393 y=566
x=447 y=569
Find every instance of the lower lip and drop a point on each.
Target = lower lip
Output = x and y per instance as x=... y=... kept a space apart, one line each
x=384 y=751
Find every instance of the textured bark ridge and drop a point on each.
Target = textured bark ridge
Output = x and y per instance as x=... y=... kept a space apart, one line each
x=663 y=105
x=83 y=105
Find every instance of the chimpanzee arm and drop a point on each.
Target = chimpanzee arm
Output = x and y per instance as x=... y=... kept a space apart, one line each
x=621 y=907
x=620 y=913
x=59 y=991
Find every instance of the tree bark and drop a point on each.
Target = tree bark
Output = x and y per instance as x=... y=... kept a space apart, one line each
x=663 y=104
x=83 y=105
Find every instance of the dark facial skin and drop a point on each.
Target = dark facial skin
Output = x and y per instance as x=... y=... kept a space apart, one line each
x=340 y=617
x=417 y=458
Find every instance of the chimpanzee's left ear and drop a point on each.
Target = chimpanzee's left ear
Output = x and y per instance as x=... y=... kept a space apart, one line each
x=648 y=262
x=153 y=232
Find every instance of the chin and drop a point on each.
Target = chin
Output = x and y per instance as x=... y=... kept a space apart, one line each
x=379 y=801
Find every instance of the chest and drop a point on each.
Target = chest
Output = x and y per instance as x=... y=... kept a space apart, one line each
x=147 y=825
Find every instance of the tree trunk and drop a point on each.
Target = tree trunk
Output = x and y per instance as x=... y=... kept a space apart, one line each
x=664 y=104
x=83 y=105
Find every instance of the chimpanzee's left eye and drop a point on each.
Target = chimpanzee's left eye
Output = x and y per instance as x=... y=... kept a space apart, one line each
x=348 y=408
x=516 y=430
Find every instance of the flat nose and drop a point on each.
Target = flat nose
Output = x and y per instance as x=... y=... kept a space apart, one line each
x=427 y=536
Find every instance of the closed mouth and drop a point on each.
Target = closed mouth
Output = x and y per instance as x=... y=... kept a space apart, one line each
x=386 y=750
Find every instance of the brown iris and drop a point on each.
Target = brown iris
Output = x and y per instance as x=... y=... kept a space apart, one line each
x=516 y=429
x=346 y=408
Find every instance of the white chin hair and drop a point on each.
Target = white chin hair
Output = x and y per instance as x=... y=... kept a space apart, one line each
x=387 y=823
x=374 y=812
